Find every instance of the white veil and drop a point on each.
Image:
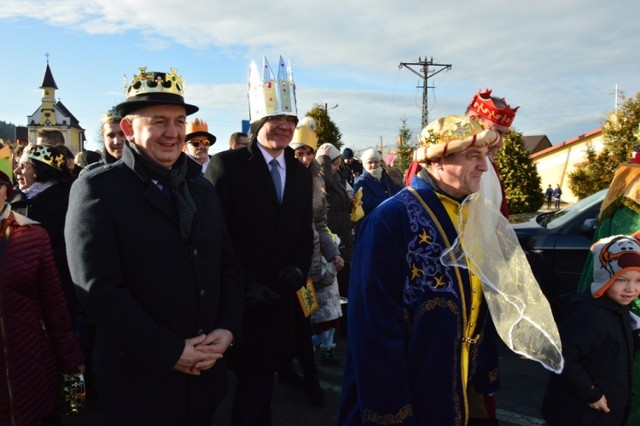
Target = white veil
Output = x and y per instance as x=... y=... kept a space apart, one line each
x=522 y=316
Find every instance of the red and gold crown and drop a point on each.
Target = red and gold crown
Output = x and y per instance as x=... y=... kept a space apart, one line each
x=269 y=96
x=45 y=154
x=482 y=104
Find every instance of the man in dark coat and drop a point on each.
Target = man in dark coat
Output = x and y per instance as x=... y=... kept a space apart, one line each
x=154 y=268
x=272 y=234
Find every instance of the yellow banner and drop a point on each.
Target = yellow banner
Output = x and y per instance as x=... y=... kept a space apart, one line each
x=307 y=298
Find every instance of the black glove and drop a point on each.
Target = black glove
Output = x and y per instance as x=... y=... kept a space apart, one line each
x=258 y=293
x=291 y=277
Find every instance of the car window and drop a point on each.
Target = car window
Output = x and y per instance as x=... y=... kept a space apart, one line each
x=561 y=217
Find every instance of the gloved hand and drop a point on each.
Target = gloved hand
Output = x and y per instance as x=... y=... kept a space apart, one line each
x=291 y=277
x=258 y=293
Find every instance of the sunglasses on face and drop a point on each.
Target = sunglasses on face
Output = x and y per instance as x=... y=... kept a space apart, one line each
x=198 y=142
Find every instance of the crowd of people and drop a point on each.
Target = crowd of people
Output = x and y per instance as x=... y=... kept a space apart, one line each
x=152 y=268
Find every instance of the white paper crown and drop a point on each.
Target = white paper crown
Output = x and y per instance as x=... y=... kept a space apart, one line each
x=268 y=96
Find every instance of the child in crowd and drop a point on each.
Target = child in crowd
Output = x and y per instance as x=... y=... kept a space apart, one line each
x=598 y=341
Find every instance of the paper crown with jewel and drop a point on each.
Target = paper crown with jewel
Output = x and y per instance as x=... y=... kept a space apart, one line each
x=48 y=155
x=269 y=96
x=154 y=88
x=483 y=105
x=199 y=127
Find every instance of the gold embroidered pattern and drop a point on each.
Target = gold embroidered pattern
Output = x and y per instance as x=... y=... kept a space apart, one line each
x=387 y=419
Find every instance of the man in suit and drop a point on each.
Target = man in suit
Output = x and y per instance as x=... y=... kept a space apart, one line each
x=153 y=266
x=266 y=198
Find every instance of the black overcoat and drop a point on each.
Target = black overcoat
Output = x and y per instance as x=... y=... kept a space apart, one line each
x=268 y=237
x=148 y=290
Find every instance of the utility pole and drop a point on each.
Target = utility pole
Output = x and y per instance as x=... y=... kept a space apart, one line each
x=425 y=73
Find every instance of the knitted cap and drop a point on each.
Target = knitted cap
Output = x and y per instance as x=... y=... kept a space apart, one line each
x=333 y=151
x=389 y=159
x=369 y=154
x=613 y=256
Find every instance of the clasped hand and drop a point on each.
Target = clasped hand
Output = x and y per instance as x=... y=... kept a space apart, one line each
x=201 y=352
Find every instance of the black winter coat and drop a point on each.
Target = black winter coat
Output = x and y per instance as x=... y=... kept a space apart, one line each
x=148 y=290
x=268 y=237
x=598 y=348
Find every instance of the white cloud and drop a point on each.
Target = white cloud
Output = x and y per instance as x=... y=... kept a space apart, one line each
x=559 y=60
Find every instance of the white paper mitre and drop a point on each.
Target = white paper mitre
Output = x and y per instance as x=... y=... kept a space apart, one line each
x=269 y=96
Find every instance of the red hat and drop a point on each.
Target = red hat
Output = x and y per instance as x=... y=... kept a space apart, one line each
x=482 y=104
x=5 y=180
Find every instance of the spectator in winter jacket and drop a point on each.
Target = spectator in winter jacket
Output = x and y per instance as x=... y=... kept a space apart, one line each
x=36 y=333
x=376 y=185
x=597 y=341
x=326 y=260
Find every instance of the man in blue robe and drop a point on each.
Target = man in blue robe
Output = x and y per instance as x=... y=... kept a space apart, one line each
x=420 y=331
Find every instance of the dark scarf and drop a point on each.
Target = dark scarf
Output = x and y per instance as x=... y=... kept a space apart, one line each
x=175 y=179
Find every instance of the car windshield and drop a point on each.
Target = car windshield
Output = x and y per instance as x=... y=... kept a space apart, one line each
x=559 y=218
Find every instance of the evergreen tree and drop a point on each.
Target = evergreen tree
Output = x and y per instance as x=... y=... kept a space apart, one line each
x=406 y=145
x=327 y=130
x=7 y=131
x=620 y=136
x=522 y=184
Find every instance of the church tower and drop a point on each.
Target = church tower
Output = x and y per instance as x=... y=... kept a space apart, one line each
x=53 y=115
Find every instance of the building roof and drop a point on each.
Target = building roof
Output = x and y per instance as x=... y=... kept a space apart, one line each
x=536 y=143
x=567 y=143
x=63 y=109
x=47 y=80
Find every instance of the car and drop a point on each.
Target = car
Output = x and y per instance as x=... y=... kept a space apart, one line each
x=557 y=244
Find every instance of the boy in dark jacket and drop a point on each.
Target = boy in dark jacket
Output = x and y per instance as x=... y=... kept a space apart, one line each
x=598 y=342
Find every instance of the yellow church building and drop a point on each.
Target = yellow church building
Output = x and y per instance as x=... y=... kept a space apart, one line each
x=53 y=115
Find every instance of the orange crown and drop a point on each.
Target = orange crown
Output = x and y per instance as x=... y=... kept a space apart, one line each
x=483 y=105
x=197 y=125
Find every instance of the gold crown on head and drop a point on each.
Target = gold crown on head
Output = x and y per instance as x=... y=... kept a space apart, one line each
x=269 y=96
x=155 y=82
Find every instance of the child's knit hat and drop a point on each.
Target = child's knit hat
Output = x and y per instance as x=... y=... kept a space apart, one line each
x=613 y=256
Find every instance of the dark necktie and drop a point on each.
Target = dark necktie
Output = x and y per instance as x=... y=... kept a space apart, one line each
x=275 y=176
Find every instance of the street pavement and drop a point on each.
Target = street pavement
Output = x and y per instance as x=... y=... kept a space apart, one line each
x=518 y=402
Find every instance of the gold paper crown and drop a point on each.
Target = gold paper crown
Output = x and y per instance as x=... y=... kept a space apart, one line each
x=46 y=154
x=305 y=134
x=269 y=96
x=155 y=82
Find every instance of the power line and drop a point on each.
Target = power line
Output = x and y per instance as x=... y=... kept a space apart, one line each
x=425 y=73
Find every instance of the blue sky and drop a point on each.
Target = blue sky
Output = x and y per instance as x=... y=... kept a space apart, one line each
x=559 y=62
